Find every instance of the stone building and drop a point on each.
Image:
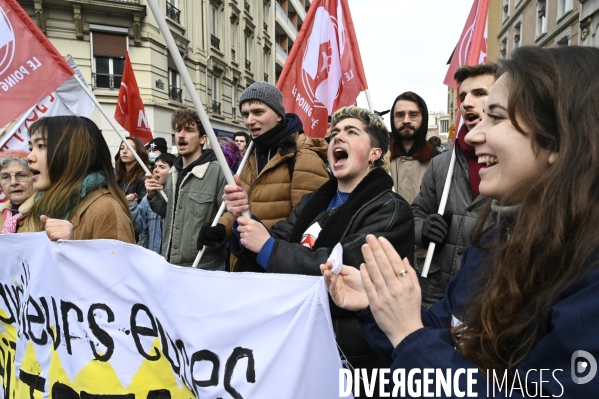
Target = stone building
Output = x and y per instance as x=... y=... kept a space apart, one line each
x=544 y=23
x=226 y=46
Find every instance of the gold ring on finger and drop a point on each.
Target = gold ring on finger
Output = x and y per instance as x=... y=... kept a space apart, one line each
x=402 y=273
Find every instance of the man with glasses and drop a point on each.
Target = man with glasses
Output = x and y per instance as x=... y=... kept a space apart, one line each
x=410 y=152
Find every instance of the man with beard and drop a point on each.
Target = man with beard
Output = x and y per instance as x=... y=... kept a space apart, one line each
x=452 y=231
x=194 y=188
x=410 y=152
x=284 y=165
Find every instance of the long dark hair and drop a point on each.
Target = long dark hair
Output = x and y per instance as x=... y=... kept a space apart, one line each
x=136 y=170
x=75 y=148
x=555 y=94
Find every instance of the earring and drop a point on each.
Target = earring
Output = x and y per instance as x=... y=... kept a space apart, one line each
x=371 y=163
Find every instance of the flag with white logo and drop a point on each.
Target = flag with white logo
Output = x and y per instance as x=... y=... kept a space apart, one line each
x=30 y=66
x=324 y=69
x=130 y=111
x=472 y=46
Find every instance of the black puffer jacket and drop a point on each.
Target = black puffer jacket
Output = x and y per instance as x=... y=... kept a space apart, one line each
x=372 y=208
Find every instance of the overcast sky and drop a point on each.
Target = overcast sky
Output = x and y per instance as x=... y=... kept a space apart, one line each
x=405 y=45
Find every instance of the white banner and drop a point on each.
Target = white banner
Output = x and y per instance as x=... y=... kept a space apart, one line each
x=81 y=319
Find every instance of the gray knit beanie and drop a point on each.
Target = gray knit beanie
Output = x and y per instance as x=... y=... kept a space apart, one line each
x=266 y=93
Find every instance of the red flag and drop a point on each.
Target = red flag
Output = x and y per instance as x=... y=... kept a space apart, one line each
x=324 y=69
x=130 y=111
x=30 y=66
x=472 y=46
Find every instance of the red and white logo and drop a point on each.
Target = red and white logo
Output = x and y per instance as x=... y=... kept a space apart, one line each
x=321 y=64
x=7 y=42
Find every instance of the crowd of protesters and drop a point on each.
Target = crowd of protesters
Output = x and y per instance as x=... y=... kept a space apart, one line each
x=513 y=281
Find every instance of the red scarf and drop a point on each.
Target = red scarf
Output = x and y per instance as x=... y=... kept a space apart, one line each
x=473 y=165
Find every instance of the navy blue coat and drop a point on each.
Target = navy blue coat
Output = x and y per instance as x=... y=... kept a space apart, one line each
x=570 y=325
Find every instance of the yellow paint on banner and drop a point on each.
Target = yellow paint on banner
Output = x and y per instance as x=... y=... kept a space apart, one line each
x=100 y=377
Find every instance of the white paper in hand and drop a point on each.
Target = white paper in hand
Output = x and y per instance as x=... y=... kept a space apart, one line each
x=336 y=258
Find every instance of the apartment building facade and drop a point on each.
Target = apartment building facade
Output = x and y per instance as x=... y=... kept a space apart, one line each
x=544 y=23
x=226 y=46
x=288 y=20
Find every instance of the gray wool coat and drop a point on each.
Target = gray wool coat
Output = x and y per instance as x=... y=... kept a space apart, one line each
x=464 y=208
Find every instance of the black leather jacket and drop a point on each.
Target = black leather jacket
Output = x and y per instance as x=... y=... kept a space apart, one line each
x=372 y=208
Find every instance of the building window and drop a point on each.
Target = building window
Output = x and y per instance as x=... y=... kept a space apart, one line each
x=247 y=47
x=503 y=48
x=517 y=33
x=175 y=91
x=265 y=63
x=109 y=51
x=172 y=11
x=541 y=17
x=215 y=95
x=563 y=7
x=505 y=9
x=213 y=20
x=563 y=41
x=444 y=126
x=233 y=102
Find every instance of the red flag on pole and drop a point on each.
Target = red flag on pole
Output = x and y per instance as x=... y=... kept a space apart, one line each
x=472 y=46
x=30 y=66
x=130 y=111
x=324 y=69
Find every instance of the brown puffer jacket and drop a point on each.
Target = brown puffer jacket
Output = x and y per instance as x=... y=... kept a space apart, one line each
x=274 y=193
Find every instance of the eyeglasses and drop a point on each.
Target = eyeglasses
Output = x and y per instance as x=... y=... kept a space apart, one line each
x=20 y=176
x=413 y=115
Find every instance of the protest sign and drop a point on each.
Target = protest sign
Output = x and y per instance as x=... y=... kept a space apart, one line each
x=82 y=319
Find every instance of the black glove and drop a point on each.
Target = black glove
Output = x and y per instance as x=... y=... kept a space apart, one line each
x=211 y=236
x=434 y=229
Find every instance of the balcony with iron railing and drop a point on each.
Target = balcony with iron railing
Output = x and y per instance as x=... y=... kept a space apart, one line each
x=106 y=81
x=215 y=42
x=233 y=112
x=175 y=93
x=279 y=50
x=246 y=6
x=233 y=54
x=283 y=15
x=265 y=77
x=265 y=26
x=173 y=12
x=248 y=65
x=215 y=107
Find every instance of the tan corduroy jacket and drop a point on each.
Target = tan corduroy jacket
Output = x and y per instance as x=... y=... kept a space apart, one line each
x=99 y=215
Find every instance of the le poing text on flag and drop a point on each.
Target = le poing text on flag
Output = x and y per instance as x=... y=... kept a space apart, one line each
x=101 y=318
x=68 y=99
x=130 y=112
x=30 y=66
x=324 y=69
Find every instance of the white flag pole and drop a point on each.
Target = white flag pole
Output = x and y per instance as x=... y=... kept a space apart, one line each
x=442 y=204
x=221 y=210
x=182 y=69
x=12 y=129
x=112 y=123
x=369 y=100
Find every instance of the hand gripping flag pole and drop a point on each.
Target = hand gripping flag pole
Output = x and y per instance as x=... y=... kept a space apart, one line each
x=471 y=50
x=221 y=210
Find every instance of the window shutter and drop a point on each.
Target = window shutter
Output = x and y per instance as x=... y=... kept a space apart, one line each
x=171 y=61
x=109 y=45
